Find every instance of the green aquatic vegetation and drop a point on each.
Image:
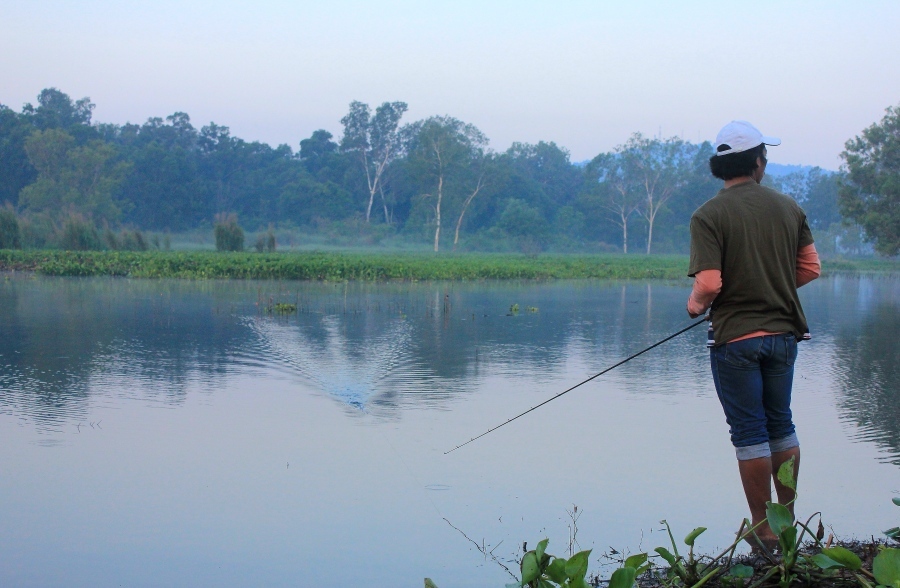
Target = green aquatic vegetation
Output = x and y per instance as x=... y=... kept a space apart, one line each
x=542 y=570
x=886 y=568
x=737 y=576
x=797 y=564
x=336 y=267
x=894 y=532
x=685 y=571
x=885 y=565
x=281 y=308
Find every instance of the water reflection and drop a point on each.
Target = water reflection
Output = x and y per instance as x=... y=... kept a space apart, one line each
x=384 y=348
x=61 y=338
x=290 y=446
x=868 y=371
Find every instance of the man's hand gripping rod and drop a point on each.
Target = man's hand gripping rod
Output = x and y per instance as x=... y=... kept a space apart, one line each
x=626 y=360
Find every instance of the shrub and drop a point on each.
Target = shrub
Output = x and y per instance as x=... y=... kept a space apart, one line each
x=37 y=231
x=229 y=235
x=79 y=234
x=132 y=241
x=110 y=239
x=10 y=234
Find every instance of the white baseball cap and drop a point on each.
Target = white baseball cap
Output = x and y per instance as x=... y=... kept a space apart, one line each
x=739 y=135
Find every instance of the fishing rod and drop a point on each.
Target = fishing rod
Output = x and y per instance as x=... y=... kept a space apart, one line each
x=626 y=360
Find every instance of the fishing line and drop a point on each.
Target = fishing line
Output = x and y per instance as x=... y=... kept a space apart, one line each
x=626 y=360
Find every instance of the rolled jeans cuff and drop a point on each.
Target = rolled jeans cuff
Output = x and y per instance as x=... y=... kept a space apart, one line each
x=785 y=443
x=753 y=451
x=768 y=448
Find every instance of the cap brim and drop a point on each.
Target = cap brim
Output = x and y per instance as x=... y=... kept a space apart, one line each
x=771 y=140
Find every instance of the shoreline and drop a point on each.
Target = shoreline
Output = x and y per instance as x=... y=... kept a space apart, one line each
x=379 y=266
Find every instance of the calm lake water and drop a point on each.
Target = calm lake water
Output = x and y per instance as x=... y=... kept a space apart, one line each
x=172 y=433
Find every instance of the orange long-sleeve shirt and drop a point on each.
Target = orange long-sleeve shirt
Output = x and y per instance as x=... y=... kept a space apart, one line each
x=708 y=284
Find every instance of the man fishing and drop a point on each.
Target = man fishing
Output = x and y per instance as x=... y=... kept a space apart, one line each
x=751 y=248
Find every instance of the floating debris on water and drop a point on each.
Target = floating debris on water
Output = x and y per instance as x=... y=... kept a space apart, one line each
x=437 y=487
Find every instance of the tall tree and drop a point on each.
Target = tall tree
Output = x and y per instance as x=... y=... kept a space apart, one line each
x=16 y=171
x=547 y=174
x=441 y=149
x=222 y=156
x=816 y=190
x=657 y=168
x=72 y=179
x=164 y=186
x=480 y=169
x=56 y=110
x=610 y=181
x=375 y=140
x=871 y=194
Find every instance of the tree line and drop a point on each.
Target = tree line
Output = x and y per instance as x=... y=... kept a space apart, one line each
x=433 y=181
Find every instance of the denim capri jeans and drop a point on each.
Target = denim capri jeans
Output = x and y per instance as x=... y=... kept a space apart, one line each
x=753 y=379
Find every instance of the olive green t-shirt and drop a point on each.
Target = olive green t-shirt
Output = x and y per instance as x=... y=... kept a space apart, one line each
x=751 y=234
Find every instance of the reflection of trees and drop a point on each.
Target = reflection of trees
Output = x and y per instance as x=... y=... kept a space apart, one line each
x=58 y=335
x=868 y=370
x=386 y=347
x=391 y=346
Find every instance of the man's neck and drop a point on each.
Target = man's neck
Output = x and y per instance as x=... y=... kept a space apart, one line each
x=736 y=181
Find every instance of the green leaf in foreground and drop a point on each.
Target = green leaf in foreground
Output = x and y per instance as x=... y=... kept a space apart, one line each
x=540 y=549
x=556 y=571
x=635 y=561
x=786 y=474
x=896 y=501
x=692 y=536
x=530 y=568
x=886 y=567
x=826 y=563
x=666 y=555
x=622 y=578
x=843 y=556
x=779 y=517
x=741 y=571
x=577 y=565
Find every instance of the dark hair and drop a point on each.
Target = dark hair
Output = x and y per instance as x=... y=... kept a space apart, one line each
x=735 y=165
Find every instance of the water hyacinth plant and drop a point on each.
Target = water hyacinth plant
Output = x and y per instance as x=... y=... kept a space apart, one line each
x=797 y=563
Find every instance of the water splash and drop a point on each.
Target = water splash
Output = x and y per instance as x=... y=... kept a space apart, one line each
x=349 y=373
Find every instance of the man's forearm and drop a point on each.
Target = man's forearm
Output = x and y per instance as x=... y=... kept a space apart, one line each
x=707 y=285
x=808 y=265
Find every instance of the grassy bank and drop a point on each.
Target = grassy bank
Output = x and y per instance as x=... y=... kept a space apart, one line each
x=374 y=266
x=340 y=266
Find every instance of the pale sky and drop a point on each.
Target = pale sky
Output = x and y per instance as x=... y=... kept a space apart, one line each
x=585 y=74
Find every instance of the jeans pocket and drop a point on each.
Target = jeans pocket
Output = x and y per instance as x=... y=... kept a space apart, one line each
x=743 y=353
x=790 y=349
